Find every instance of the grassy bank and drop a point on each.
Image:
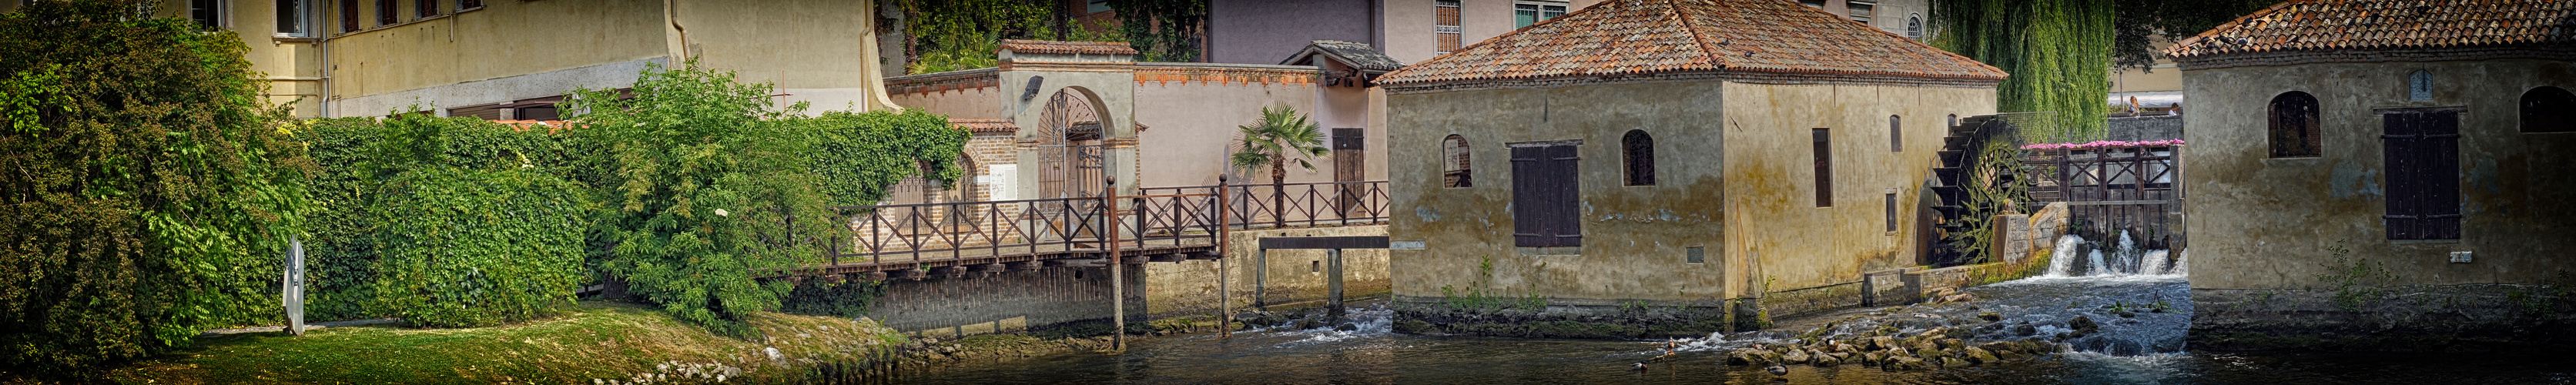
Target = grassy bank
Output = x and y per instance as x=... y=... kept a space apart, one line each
x=595 y=340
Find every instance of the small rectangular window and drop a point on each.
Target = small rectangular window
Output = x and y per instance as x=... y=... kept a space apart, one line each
x=1895 y=133
x=1813 y=3
x=292 y=15
x=1891 y=212
x=385 y=13
x=1096 y=6
x=348 y=16
x=1525 y=14
x=1862 y=12
x=427 y=7
x=468 y=4
x=1824 y=169
x=207 y=13
x=1695 y=255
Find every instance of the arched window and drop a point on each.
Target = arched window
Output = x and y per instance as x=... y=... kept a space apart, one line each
x=2419 y=86
x=2548 y=109
x=1914 y=26
x=1895 y=133
x=1455 y=168
x=1640 y=154
x=2294 y=126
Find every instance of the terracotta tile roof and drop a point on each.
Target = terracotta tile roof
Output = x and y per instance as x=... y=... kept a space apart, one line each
x=1631 y=37
x=1068 y=47
x=985 y=125
x=1357 y=55
x=2319 y=25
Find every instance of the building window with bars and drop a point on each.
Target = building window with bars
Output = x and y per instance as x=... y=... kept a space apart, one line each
x=1639 y=149
x=207 y=13
x=2548 y=109
x=1454 y=167
x=1444 y=26
x=2294 y=126
x=385 y=13
x=1824 y=168
x=1526 y=13
x=427 y=7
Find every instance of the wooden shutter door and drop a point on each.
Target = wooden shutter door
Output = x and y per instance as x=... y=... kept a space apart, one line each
x=2438 y=164
x=2397 y=147
x=1528 y=230
x=1566 y=196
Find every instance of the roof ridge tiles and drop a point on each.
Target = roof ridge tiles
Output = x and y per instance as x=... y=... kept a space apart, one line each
x=1625 y=38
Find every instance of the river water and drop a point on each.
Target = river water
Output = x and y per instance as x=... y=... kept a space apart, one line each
x=2145 y=347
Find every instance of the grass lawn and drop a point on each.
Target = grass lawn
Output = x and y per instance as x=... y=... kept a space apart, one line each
x=594 y=340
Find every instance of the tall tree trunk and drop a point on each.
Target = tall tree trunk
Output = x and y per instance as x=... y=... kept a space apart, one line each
x=1279 y=191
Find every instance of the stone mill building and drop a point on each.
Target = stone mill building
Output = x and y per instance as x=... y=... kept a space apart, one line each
x=1673 y=155
x=2387 y=171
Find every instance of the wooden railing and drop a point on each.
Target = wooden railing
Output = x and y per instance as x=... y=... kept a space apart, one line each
x=2113 y=189
x=1296 y=204
x=1161 y=217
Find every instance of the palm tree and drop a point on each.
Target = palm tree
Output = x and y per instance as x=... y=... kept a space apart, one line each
x=1281 y=134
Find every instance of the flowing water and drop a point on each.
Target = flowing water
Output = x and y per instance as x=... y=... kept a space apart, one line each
x=2146 y=346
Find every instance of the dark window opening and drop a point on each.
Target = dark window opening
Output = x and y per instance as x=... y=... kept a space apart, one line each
x=1454 y=167
x=1895 y=133
x=468 y=4
x=1824 y=169
x=348 y=15
x=1314 y=266
x=1891 y=212
x=1546 y=200
x=207 y=13
x=291 y=19
x=1914 y=27
x=2294 y=126
x=1640 y=150
x=2419 y=86
x=2423 y=177
x=427 y=7
x=2548 y=109
x=385 y=13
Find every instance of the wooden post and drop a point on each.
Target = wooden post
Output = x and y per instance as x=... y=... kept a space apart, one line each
x=1117 y=265
x=293 y=292
x=1334 y=302
x=1224 y=293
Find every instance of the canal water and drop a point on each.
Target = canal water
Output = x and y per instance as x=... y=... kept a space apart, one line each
x=2144 y=347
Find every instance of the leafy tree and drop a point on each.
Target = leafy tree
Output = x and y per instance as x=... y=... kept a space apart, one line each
x=1163 y=30
x=146 y=192
x=1280 y=136
x=2058 y=52
x=2138 y=21
x=951 y=35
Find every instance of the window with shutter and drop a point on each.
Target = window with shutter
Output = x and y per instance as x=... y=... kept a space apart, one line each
x=348 y=16
x=385 y=13
x=2421 y=150
x=1444 y=26
x=1546 y=196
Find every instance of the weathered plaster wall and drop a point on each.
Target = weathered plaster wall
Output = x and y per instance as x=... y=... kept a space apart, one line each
x=1193 y=111
x=1190 y=287
x=503 y=39
x=2263 y=223
x=968 y=94
x=1634 y=236
x=1725 y=152
x=1787 y=242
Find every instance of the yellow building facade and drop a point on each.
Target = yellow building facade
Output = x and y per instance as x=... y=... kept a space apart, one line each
x=513 y=59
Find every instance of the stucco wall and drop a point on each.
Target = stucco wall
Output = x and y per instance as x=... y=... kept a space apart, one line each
x=1266 y=31
x=1194 y=117
x=504 y=38
x=2262 y=223
x=1725 y=152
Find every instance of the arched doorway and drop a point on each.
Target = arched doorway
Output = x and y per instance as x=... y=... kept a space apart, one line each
x=1069 y=147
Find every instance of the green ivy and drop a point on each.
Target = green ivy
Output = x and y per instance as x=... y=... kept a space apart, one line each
x=465 y=247
x=360 y=155
x=149 y=191
x=857 y=155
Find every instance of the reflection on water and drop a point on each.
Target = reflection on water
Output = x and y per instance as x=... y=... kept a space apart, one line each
x=2130 y=350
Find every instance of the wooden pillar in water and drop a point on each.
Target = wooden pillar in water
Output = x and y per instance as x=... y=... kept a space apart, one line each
x=1117 y=265
x=1224 y=302
x=1333 y=257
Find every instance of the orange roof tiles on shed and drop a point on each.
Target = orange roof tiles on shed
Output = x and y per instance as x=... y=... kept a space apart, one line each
x=1068 y=47
x=1637 y=37
x=2322 y=25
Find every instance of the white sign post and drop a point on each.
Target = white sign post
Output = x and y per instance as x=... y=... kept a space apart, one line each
x=294 y=282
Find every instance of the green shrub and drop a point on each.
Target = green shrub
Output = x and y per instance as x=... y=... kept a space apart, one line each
x=359 y=156
x=857 y=155
x=148 y=190
x=464 y=247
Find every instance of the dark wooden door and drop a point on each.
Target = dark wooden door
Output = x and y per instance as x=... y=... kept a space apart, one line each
x=2421 y=150
x=1350 y=164
x=1546 y=196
